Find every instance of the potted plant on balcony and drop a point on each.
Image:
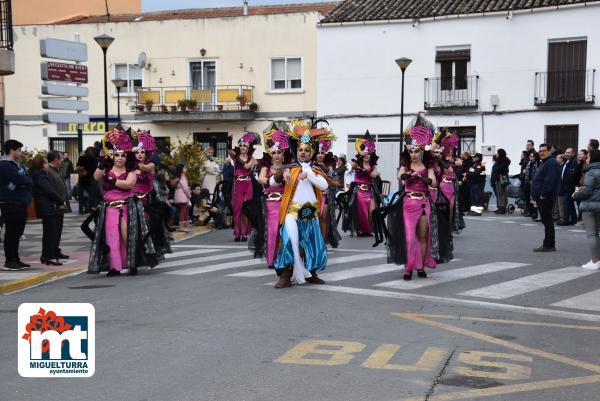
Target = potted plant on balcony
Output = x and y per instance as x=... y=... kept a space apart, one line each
x=253 y=107
x=192 y=104
x=163 y=108
x=242 y=100
x=140 y=107
x=173 y=109
x=183 y=104
x=219 y=107
x=149 y=103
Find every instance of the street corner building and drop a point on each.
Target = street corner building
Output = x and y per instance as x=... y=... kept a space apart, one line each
x=203 y=75
x=496 y=73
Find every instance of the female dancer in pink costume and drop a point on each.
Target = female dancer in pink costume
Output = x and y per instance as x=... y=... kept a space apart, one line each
x=417 y=175
x=117 y=184
x=243 y=163
x=447 y=184
x=367 y=198
x=276 y=143
x=325 y=161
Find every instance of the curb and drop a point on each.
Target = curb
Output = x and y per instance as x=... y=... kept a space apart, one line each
x=44 y=277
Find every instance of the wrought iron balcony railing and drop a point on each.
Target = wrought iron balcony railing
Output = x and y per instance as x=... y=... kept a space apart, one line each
x=195 y=99
x=455 y=92
x=6 y=27
x=564 y=87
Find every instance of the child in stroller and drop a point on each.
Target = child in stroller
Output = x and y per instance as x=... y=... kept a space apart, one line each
x=514 y=191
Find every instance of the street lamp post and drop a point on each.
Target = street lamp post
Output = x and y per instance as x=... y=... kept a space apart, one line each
x=403 y=63
x=105 y=41
x=119 y=84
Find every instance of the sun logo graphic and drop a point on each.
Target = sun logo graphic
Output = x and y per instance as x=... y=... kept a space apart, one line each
x=56 y=340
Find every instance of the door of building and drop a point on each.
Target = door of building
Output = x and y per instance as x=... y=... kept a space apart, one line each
x=203 y=77
x=219 y=141
x=467 y=138
x=563 y=136
x=566 y=71
x=68 y=145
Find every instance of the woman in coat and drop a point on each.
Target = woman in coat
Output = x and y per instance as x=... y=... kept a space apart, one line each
x=499 y=180
x=589 y=195
x=182 y=197
x=47 y=203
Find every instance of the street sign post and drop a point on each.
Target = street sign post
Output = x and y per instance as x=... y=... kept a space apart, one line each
x=64 y=72
x=65 y=118
x=61 y=104
x=63 y=50
x=65 y=90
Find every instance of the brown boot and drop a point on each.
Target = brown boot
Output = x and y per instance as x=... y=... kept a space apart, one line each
x=284 y=278
x=314 y=279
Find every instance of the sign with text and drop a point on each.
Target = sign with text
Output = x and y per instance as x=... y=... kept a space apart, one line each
x=64 y=72
x=63 y=49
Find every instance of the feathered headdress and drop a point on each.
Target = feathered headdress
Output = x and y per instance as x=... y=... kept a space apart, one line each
x=303 y=133
x=365 y=144
x=419 y=133
x=116 y=140
x=251 y=138
x=143 y=140
x=276 y=139
x=447 y=141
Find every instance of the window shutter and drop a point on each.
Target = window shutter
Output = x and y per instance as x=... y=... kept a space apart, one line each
x=453 y=55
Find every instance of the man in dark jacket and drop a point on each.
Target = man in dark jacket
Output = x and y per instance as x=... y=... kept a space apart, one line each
x=15 y=197
x=476 y=180
x=569 y=179
x=543 y=191
x=463 y=188
x=54 y=162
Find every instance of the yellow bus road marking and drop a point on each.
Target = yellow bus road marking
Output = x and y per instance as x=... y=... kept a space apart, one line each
x=513 y=388
x=496 y=341
x=517 y=322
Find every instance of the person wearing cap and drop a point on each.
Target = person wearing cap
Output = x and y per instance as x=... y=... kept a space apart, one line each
x=15 y=197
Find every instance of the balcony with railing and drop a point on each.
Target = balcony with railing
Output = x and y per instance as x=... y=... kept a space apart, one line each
x=564 y=88
x=7 y=55
x=457 y=92
x=223 y=102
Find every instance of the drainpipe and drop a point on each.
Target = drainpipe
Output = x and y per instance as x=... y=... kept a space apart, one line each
x=245 y=8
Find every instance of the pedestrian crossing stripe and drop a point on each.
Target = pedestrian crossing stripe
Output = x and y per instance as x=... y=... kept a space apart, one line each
x=529 y=283
x=588 y=301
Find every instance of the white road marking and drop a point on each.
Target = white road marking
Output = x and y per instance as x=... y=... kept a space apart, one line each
x=529 y=224
x=457 y=301
x=217 y=267
x=360 y=272
x=587 y=301
x=577 y=231
x=212 y=246
x=451 y=275
x=189 y=253
x=527 y=284
x=212 y=258
x=330 y=262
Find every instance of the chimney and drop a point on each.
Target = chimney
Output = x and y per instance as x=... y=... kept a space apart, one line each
x=245 y=8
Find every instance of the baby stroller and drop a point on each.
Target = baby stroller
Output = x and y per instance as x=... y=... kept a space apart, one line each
x=514 y=191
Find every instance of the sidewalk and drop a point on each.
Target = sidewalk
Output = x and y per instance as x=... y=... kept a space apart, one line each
x=73 y=243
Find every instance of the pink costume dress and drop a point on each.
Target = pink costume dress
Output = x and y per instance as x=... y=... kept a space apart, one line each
x=273 y=202
x=144 y=186
x=363 y=180
x=242 y=191
x=116 y=209
x=447 y=184
x=413 y=209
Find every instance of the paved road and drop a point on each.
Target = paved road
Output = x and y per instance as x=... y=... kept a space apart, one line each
x=497 y=323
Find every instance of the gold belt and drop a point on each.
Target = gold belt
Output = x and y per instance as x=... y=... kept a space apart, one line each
x=242 y=177
x=295 y=209
x=274 y=196
x=447 y=180
x=141 y=195
x=364 y=187
x=116 y=204
x=415 y=195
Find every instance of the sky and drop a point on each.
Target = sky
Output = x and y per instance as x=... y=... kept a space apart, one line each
x=158 y=5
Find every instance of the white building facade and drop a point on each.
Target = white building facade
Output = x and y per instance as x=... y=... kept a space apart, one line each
x=497 y=79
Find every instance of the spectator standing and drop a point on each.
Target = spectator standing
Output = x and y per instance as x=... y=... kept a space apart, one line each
x=532 y=165
x=589 y=195
x=593 y=145
x=582 y=156
x=15 y=197
x=340 y=171
x=499 y=180
x=182 y=197
x=543 y=191
x=227 y=179
x=47 y=203
x=569 y=179
x=476 y=180
x=66 y=169
x=86 y=166
x=55 y=161
x=211 y=168
x=464 y=197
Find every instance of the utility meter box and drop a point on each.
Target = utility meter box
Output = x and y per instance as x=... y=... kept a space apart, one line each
x=488 y=150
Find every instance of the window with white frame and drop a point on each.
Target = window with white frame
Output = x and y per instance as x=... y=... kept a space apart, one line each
x=286 y=73
x=132 y=74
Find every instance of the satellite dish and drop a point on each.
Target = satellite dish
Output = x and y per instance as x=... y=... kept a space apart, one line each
x=142 y=60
